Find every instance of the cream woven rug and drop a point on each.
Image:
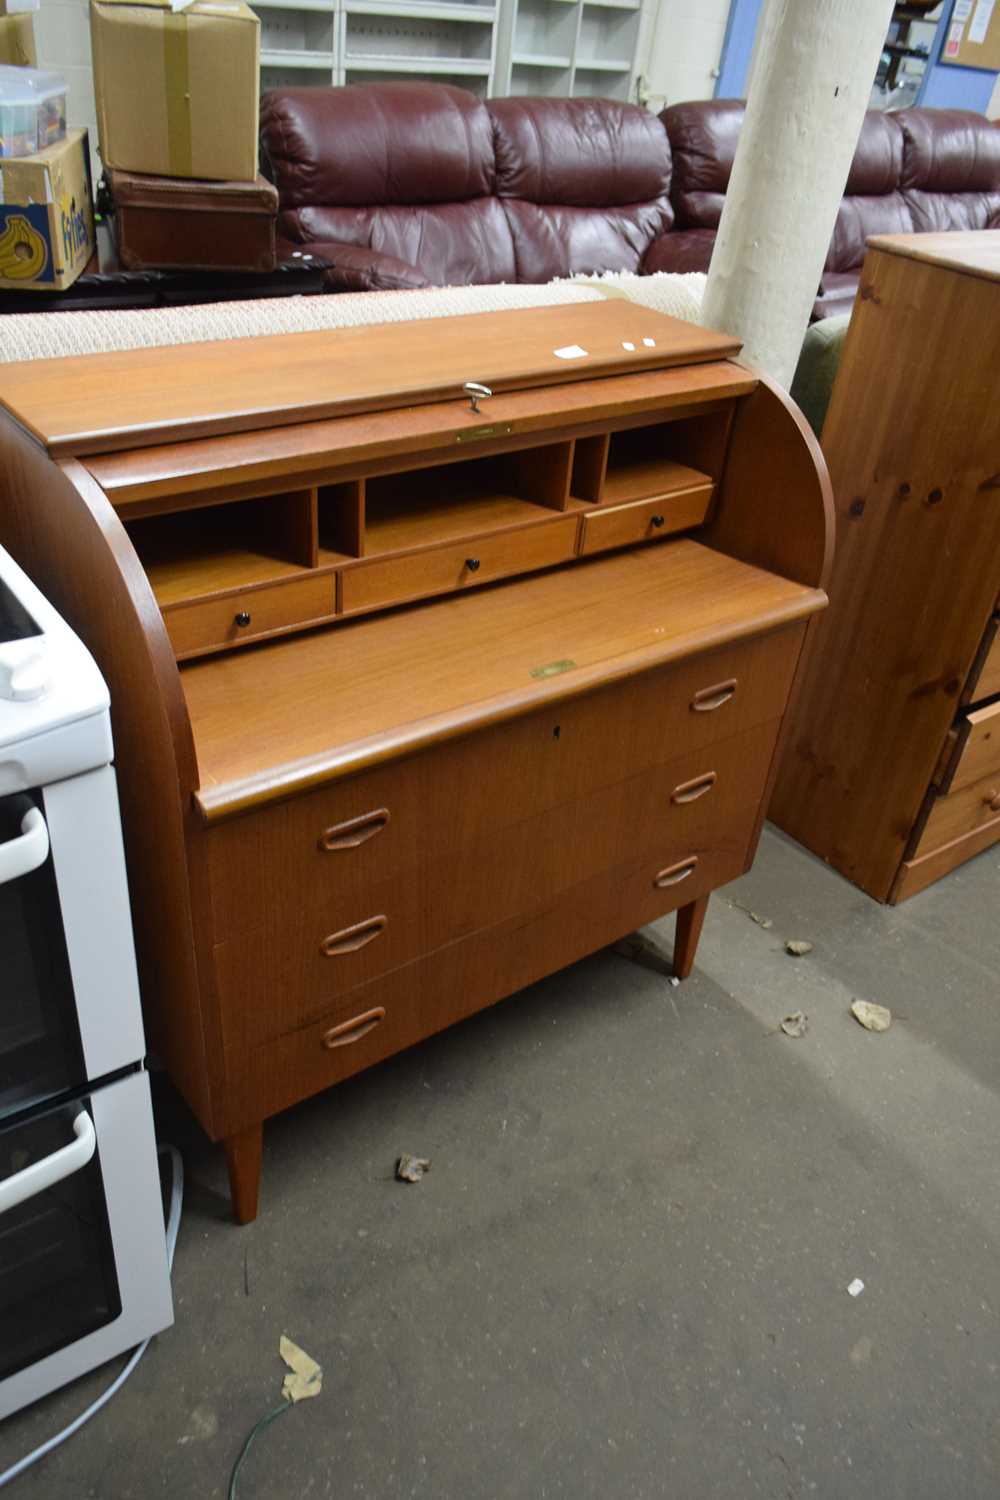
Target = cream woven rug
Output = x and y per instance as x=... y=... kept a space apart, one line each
x=58 y=335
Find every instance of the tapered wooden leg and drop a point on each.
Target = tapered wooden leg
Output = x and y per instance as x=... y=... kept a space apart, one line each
x=690 y=919
x=243 y=1154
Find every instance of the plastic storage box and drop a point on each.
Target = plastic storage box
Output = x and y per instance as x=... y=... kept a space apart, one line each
x=32 y=110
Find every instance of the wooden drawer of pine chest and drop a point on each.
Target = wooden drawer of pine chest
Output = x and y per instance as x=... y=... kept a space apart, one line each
x=318 y=946
x=643 y=520
x=439 y=570
x=341 y=839
x=248 y=615
x=412 y=1003
x=985 y=679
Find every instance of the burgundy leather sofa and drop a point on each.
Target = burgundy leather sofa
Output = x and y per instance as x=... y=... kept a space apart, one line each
x=418 y=184
x=413 y=184
x=915 y=169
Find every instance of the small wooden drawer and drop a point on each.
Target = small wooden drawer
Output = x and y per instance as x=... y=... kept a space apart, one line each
x=325 y=937
x=963 y=812
x=351 y=836
x=970 y=795
x=977 y=749
x=250 y=615
x=439 y=570
x=644 y=520
x=404 y=1007
x=985 y=680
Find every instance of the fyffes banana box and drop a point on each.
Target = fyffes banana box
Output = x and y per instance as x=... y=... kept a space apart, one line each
x=46 y=216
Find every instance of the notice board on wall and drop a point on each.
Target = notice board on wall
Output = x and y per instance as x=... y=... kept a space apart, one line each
x=973 y=37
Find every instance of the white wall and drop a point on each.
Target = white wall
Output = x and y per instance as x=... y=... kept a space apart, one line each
x=685 y=43
x=993 y=108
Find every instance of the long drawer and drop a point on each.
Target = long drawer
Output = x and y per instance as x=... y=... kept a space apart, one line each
x=343 y=838
x=319 y=945
x=438 y=570
x=412 y=1003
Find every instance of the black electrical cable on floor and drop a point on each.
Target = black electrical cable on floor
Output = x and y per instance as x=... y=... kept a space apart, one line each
x=265 y=1421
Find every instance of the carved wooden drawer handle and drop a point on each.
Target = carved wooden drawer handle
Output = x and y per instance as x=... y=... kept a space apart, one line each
x=674 y=874
x=352 y=1031
x=350 y=939
x=993 y=801
x=355 y=831
x=706 y=699
x=690 y=791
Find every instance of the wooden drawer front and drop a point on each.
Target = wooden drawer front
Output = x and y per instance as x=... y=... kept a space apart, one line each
x=419 y=809
x=978 y=752
x=644 y=520
x=320 y=944
x=439 y=570
x=402 y=1008
x=987 y=680
x=961 y=812
x=208 y=626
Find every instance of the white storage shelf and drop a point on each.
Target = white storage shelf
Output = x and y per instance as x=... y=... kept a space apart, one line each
x=560 y=47
x=555 y=48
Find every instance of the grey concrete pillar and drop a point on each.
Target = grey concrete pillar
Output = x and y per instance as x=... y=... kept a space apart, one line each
x=813 y=68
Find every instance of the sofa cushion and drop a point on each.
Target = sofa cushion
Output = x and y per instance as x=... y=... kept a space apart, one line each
x=703 y=139
x=877 y=165
x=949 y=151
x=951 y=168
x=680 y=250
x=859 y=217
x=584 y=183
x=451 y=244
x=584 y=152
x=559 y=240
x=369 y=144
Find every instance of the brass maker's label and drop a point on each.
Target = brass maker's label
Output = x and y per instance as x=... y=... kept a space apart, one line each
x=478 y=434
x=553 y=668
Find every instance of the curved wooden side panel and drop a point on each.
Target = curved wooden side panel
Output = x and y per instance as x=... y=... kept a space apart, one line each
x=58 y=524
x=775 y=503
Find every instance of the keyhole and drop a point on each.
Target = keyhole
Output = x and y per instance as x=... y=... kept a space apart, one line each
x=555 y=732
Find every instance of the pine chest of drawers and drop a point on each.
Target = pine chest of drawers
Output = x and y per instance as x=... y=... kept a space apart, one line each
x=416 y=704
x=893 y=767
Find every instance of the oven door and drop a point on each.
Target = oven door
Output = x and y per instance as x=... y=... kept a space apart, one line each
x=70 y=1011
x=83 y=1273
x=41 y=1052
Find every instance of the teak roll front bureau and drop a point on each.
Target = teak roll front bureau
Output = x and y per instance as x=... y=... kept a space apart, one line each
x=413 y=704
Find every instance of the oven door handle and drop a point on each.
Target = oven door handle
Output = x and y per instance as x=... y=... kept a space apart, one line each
x=31 y=1181
x=22 y=855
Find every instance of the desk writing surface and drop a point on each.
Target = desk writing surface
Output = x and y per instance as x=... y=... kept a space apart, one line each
x=308 y=708
x=109 y=402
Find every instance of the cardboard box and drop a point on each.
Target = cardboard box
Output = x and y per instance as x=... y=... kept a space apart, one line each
x=17 y=41
x=46 y=216
x=178 y=92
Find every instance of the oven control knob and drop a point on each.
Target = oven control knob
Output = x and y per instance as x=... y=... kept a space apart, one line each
x=23 y=675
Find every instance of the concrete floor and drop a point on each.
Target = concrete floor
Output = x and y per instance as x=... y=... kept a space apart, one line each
x=626 y=1274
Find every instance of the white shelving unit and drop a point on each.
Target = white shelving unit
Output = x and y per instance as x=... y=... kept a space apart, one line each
x=556 y=47
x=297 y=43
x=582 y=48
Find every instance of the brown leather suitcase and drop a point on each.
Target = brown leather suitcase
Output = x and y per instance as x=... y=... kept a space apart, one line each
x=168 y=223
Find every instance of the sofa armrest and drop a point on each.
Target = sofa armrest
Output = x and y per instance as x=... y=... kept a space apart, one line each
x=358 y=268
